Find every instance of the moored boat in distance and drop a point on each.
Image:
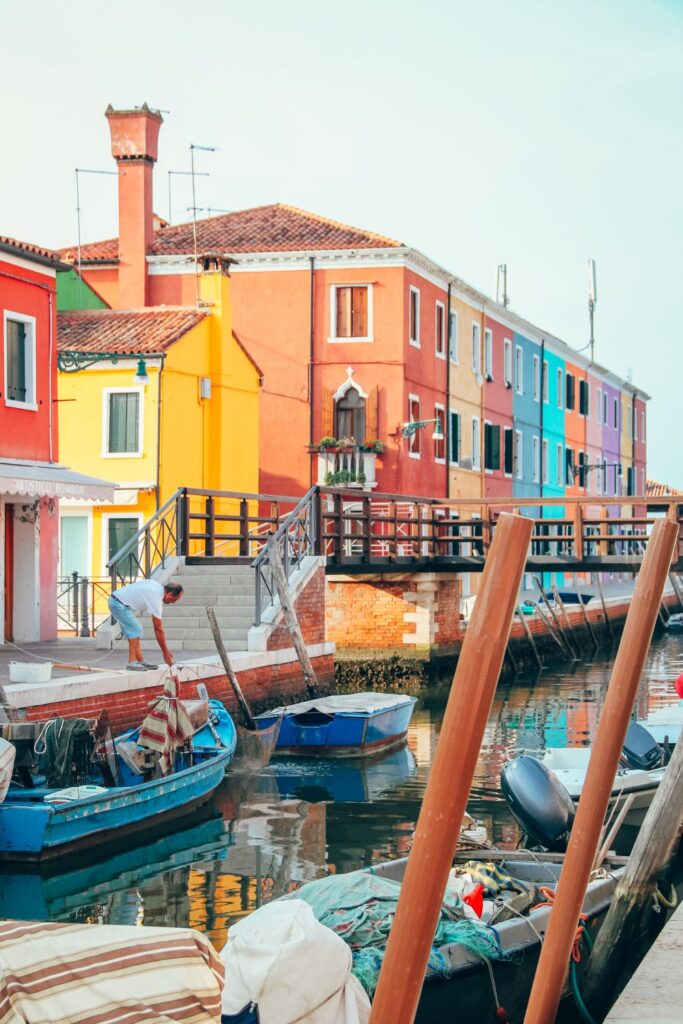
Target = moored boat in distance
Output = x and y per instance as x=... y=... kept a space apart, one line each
x=346 y=725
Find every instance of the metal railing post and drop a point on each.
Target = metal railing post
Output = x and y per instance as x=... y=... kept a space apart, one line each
x=74 y=601
x=183 y=523
x=244 y=527
x=85 y=629
x=209 y=540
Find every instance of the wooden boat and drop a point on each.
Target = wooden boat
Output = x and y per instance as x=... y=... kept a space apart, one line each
x=568 y=597
x=346 y=725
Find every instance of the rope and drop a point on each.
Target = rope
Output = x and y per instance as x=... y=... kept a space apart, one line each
x=670 y=903
x=40 y=745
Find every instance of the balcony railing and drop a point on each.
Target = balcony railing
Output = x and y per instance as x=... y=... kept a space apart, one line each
x=346 y=467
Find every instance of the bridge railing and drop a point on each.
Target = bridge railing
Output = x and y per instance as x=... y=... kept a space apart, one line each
x=296 y=538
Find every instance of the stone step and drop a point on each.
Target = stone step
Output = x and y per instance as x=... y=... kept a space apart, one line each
x=209 y=570
x=200 y=633
x=239 y=612
x=213 y=586
x=207 y=646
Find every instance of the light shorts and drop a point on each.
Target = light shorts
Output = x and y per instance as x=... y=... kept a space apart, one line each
x=121 y=613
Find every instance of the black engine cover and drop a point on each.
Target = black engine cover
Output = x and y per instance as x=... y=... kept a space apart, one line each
x=539 y=802
x=641 y=750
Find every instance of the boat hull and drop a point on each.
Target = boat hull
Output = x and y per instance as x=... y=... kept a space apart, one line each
x=35 y=831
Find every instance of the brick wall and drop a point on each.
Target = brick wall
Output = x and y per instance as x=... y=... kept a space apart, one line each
x=309 y=608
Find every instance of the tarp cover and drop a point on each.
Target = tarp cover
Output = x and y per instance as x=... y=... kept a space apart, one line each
x=88 y=974
x=347 y=704
x=45 y=480
x=167 y=725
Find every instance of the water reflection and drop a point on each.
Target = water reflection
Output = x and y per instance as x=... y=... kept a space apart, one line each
x=269 y=832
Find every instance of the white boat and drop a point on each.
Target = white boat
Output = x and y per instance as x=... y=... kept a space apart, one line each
x=665 y=723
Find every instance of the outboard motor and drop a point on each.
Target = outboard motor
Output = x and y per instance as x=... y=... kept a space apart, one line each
x=539 y=802
x=641 y=750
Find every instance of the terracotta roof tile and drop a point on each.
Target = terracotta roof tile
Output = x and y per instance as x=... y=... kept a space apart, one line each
x=656 y=490
x=27 y=250
x=274 y=228
x=124 y=331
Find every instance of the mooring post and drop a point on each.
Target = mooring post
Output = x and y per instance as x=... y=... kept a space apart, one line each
x=563 y=642
x=280 y=581
x=562 y=646
x=585 y=612
x=674 y=584
x=560 y=604
x=602 y=768
x=445 y=799
x=604 y=606
x=529 y=636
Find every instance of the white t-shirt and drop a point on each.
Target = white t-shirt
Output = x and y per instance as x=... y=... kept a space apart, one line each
x=143 y=596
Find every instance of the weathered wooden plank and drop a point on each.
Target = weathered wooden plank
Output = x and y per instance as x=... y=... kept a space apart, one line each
x=655 y=992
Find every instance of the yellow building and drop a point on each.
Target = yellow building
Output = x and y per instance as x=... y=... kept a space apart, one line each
x=466 y=399
x=192 y=423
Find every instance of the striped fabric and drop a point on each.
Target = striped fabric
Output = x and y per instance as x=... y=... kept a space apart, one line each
x=105 y=974
x=167 y=724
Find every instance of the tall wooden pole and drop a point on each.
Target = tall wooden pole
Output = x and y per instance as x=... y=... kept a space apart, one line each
x=291 y=621
x=445 y=799
x=585 y=835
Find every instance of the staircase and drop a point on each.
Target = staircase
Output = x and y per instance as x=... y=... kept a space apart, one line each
x=229 y=588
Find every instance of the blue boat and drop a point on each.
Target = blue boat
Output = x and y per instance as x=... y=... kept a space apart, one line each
x=346 y=725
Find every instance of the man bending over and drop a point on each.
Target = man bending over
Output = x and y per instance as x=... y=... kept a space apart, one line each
x=144 y=597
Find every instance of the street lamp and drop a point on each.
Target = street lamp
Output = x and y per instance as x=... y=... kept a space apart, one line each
x=73 y=362
x=408 y=429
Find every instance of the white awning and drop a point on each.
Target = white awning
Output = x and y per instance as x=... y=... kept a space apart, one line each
x=49 y=480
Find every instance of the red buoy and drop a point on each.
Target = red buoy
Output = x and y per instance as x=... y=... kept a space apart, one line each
x=679 y=686
x=475 y=899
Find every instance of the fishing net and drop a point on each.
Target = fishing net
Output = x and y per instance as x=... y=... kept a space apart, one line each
x=67 y=746
x=360 y=907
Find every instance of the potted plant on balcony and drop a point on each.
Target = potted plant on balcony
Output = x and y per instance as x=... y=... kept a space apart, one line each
x=375 y=447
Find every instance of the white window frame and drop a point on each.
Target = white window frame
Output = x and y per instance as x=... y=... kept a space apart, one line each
x=559 y=465
x=536 y=458
x=488 y=353
x=106 y=392
x=599 y=405
x=453 y=340
x=30 y=323
x=454 y=412
x=518 y=455
x=476 y=348
x=439 y=408
x=475 y=439
x=545 y=382
x=440 y=310
x=104 y=540
x=333 y=339
x=560 y=388
x=519 y=370
x=415 y=342
x=536 y=383
x=411 y=399
x=507 y=362
x=545 y=461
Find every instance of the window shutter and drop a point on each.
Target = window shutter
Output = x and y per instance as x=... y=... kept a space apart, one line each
x=327 y=426
x=359 y=313
x=343 y=296
x=372 y=415
x=495 y=454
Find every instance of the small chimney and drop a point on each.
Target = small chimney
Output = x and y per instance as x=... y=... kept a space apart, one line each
x=134 y=135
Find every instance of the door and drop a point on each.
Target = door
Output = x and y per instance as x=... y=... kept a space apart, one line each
x=8 y=624
x=73 y=547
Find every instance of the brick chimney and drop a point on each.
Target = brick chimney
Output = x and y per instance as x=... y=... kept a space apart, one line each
x=134 y=135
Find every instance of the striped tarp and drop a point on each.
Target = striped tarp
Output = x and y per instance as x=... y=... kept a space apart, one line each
x=167 y=725
x=105 y=974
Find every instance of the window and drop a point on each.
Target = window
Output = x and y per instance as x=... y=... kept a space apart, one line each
x=630 y=482
x=349 y=415
x=491 y=446
x=584 y=398
x=351 y=312
x=120 y=529
x=507 y=362
x=414 y=416
x=598 y=475
x=453 y=349
x=488 y=353
x=570 y=389
x=616 y=413
x=476 y=444
x=569 y=463
x=476 y=349
x=414 y=316
x=560 y=392
x=559 y=465
x=544 y=462
x=440 y=331
x=508 y=454
x=537 y=379
x=605 y=408
x=454 y=438
x=598 y=409
x=440 y=443
x=546 y=382
x=535 y=459
x=519 y=451
x=20 y=360
x=519 y=369
x=123 y=430
x=582 y=470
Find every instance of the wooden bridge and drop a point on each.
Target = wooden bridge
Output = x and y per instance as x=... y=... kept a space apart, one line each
x=361 y=533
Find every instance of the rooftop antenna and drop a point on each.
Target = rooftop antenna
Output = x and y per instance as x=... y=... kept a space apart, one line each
x=592 y=301
x=204 y=149
x=198 y=174
x=502 y=285
x=82 y=170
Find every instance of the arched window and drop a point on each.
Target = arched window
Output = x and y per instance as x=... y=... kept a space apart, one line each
x=349 y=415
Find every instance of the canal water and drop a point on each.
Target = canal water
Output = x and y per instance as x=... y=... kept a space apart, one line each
x=267 y=833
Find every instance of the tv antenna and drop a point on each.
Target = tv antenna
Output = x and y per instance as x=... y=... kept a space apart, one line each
x=203 y=149
x=198 y=174
x=502 y=285
x=82 y=170
x=592 y=302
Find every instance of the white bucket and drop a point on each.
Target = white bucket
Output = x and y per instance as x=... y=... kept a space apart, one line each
x=30 y=671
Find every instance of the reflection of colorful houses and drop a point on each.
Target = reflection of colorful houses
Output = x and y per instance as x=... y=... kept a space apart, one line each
x=32 y=482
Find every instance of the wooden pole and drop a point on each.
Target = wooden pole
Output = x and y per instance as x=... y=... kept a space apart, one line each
x=562 y=646
x=529 y=636
x=445 y=799
x=293 y=626
x=674 y=584
x=563 y=611
x=602 y=768
x=585 y=613
x=650 y=854
x=229 y=671
x=604 y=606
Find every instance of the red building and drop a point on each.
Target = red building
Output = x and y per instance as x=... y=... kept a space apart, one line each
x=31 y=480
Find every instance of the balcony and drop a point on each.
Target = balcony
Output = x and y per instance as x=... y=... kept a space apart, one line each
x=348 y=467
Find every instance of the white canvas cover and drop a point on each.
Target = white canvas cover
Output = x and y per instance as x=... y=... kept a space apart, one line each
x=294 y=969
x=7 y=754
x=347 y=703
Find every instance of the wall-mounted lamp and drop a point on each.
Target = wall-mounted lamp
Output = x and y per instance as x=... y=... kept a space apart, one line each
x=141 y=375
x=408 y=429
x=74 y=362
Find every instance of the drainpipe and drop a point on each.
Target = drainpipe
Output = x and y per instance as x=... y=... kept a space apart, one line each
x=447 y=416
x=541 y=417
x=158 y=484
x=311 y=355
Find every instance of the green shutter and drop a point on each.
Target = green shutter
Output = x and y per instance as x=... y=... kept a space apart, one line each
x=16 y=361
x=495 y=453
x=123 y=422
x=120 y=532
x=455 y=437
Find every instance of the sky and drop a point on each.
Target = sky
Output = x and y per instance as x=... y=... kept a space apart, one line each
x=533 y=133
